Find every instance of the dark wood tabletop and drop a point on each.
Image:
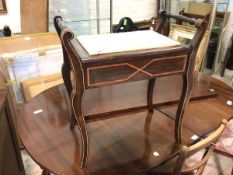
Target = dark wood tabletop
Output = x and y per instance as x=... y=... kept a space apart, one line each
x=123 y=143
x=204 y=116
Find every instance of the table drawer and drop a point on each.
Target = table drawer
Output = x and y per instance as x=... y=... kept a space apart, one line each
x=134 y=70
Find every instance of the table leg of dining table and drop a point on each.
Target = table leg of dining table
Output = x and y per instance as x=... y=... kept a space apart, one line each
x=150 y=90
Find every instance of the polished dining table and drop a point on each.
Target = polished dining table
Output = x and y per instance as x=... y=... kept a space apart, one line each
x=122 y=141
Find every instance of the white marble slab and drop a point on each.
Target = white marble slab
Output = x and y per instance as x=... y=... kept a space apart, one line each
x=120 y=42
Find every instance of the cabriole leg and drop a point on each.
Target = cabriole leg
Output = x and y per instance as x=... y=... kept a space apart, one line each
x=188 y=80
x=150 y=90
x=77 y=111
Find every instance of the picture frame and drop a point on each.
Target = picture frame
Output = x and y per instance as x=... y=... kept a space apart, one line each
x=35 y=86
x=3 y=8
x=184 y=34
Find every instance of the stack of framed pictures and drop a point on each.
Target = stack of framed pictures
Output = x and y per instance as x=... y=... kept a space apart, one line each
x=24 y=67
x=29 y=64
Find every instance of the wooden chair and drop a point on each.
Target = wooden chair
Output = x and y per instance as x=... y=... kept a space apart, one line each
x=176 y=165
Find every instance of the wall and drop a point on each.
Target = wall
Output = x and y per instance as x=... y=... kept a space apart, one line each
x=138 y=10
x=230 y=8
x=12 y=18
x=228 y=33
x=82 y=14
x=33 y=16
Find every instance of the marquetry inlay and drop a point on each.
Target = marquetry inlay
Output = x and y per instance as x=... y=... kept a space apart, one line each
x=122 y=72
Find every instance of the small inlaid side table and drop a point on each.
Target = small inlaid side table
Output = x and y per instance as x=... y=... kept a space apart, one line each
x=103 y=60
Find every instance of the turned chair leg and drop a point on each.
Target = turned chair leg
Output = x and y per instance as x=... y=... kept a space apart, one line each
x=150 y=90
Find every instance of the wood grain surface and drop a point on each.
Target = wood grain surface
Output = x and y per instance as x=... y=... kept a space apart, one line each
x=123 y=143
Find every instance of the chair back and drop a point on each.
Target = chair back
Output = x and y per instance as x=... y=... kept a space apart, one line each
x=207 y=143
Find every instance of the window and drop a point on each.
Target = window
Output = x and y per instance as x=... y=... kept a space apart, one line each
x=83 y=16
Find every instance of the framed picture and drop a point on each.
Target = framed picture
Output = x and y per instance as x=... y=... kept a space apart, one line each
x=3 y=8
x=37 y=85
x=184 y=34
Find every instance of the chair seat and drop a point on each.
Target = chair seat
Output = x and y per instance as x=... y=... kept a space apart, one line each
x=225 y=142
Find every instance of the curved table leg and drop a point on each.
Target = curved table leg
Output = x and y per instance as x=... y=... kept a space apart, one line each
x=150 y=90
x=73 y=121
x=83 y=130
x=77 y=112
x=146 y=155
x=188 y=80
x=67 y=81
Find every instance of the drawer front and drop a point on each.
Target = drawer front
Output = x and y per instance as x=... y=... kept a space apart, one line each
x=106 y=75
